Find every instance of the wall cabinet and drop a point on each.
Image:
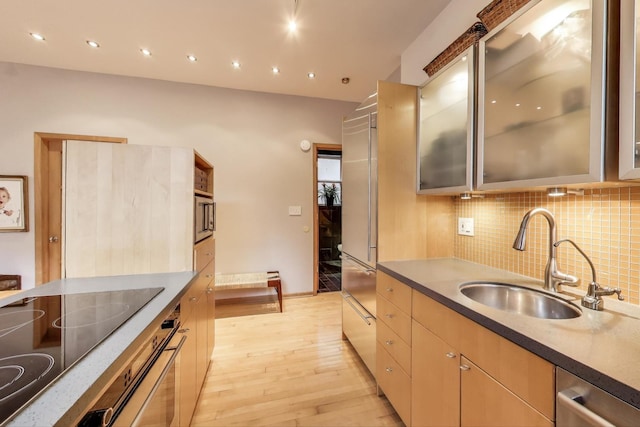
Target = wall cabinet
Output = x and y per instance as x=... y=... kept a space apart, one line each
x=446 y=135
x=543 y=97
x=629 y=90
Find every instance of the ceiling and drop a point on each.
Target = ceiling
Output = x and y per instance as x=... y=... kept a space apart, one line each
x=358 y=39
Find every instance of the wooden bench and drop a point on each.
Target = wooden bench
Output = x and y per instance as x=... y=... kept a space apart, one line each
x=270 y=279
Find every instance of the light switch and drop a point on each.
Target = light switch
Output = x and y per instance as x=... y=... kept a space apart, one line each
x=295 y=210
x=465 y=226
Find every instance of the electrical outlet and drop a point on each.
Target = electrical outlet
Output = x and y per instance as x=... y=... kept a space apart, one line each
x=465 y=226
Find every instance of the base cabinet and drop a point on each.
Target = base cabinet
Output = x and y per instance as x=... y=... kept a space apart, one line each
x=188 y=387
x=462 y=374
x=486 y=402
x=435 y=392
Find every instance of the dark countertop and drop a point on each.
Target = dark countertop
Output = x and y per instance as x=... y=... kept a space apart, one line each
x=601 y=347
x=64 y=400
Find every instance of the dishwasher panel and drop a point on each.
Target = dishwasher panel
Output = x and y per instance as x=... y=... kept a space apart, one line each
x=581 y=404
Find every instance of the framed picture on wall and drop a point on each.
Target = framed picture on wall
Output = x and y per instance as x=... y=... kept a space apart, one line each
x=14 y=203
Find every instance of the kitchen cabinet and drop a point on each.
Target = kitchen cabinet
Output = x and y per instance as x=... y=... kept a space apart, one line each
x=629 y=167
x=446 y=134
x=544 y=97
x=393 y=343
x=129 y=209
x=497 y=383
x=435 y=392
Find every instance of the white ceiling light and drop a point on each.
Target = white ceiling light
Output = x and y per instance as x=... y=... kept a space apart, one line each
x=93 y=44
x=275 y=70
x=192 y=58
x=37 y=36
x=235 y=64
x=145 y=52
x=293 y=25
x=311 y=75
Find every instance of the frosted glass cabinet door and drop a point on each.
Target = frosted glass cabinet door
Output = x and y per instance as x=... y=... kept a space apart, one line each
x=541 y=96
x=629 y=90
x=445 y=141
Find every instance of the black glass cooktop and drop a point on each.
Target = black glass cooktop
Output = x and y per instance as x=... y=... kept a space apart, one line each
x=42 y=336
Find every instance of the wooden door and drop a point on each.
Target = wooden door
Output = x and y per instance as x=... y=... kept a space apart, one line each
x=48 y=195
x=486 y=402
x=435 y=377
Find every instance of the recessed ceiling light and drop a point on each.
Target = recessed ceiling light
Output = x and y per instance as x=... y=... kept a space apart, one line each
x=311 y=75
x=93 y=43
x=275 y=70
x=293 y=26
x=192 y=58
x=37 y=36
x=235 y=64
x=145 y=52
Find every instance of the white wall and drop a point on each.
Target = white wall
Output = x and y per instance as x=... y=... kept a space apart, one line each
x=452 y=22
x=251 y=138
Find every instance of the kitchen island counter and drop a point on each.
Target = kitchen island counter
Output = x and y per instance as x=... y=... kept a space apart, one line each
x=601 y=347
x=64 y=401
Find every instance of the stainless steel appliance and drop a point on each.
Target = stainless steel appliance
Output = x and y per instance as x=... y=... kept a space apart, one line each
x=581 y=404
x=40 y=337
x=359 y=229
x=204 y=218
x=145 y=392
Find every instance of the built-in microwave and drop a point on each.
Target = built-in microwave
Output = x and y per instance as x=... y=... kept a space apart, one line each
x=205 y=218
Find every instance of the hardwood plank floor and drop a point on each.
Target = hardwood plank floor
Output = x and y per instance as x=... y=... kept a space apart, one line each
x=289 y=369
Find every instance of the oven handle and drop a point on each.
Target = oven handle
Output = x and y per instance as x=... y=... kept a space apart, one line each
x=161 y=378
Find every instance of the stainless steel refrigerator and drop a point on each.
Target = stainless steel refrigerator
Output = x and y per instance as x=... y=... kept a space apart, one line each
x=359 y=229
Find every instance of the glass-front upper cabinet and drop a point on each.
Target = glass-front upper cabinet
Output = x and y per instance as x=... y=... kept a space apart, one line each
x=541 y=97
x=446 y=128
x=629 y=90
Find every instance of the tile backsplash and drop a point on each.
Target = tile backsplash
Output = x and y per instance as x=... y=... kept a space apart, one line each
x=605 y=223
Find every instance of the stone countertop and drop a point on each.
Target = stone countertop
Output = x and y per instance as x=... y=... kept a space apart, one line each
x=601 y=347
x=64 y=400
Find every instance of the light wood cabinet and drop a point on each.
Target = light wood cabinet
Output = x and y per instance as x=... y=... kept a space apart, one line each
x=464 y=374
x=393 y=343
x=187 y=367
x=486 y=402
x=435 y=391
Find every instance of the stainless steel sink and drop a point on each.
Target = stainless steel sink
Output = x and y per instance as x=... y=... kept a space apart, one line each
x=520 y=300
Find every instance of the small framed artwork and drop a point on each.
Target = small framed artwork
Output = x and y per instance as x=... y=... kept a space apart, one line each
x=14 y=203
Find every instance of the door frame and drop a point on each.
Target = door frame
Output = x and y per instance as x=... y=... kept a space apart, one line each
x=47 y=169
x=316 y=237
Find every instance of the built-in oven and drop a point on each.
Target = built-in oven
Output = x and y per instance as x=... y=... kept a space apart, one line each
x=146 y=390
x=205 y=218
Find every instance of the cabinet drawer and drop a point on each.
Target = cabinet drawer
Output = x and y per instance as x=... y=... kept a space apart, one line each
x=395 y=291
x=397 y=320
x=204 y=253
x=395 y=383
x=396 y=347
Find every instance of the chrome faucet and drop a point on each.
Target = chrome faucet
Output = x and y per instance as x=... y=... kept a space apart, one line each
x=552 y=276
x=593 y=298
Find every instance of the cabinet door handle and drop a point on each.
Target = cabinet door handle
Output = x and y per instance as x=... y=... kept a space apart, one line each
x=464 y=367
x=450 y=355
x=209 y=290
x=389 y=289
x=389 y=370
x=389 y=316
x=184 y=331
x=208 y=276
x=209 y=253
x=193 y=299
x=388 y=342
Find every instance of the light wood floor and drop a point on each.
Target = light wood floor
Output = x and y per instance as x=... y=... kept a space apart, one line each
x=289 y=369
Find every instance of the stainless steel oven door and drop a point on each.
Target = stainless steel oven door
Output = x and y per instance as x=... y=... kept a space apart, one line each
x=154 y=402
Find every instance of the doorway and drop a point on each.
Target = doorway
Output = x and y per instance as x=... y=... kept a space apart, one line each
x=328 y=217
x=48 y=197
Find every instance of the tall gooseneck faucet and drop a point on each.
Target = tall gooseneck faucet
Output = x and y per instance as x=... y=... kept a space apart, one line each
x=552 y=276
